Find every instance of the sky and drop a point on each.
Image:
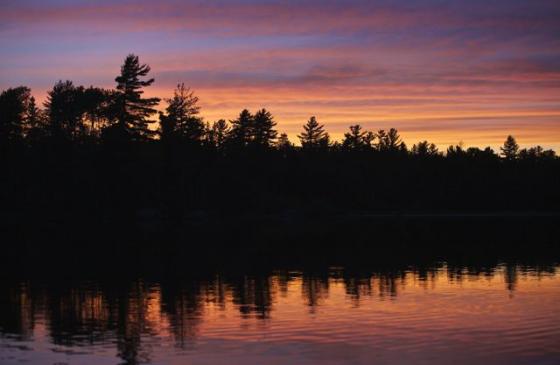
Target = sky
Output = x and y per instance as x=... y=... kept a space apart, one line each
x=450 y=71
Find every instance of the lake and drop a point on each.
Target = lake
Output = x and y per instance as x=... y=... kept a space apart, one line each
x=437 y=314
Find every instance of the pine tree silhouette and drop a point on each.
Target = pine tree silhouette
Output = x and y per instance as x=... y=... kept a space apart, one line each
x=357 y=138
x=263 y=132
x=133 y=110
x=510 y=148
x=314 y=135
x=240 y=134
x=217 y=134
x=64 y=109
x=183 y=115
x=424 y=149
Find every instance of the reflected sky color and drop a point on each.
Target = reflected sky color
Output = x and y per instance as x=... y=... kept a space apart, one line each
x=447 y=71
x=502 y=315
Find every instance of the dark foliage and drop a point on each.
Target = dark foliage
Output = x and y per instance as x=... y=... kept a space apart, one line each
x=14 y=104
x=91 y=158
x=132 y=109
x=314 y=136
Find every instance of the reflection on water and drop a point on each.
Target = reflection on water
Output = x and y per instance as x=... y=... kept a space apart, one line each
x=502 y=315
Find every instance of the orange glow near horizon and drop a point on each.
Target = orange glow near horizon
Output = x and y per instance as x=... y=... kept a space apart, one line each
x=460 y=73
x=451 y=121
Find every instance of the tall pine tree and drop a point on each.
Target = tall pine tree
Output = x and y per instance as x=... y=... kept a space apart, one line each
x=133 y=111
x=264 y=134
x=240 y=134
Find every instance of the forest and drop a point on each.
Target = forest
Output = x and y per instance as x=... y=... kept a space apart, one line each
x=96 y=155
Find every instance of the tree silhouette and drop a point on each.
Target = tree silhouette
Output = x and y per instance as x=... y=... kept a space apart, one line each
x=217 y=134
x=263 y=132
x=381 y=140
x=390 y=141
x=479 y=154
x=455 y=151
x=34 y=117
x=133 y=111
x=35 y=123
x=369 y=139
x=284 y=145
x=424 y=148
x=182 y=119
x=65 y=109
x=187 y=168
x=284 y=142
x=167 y=130
x=358 y=139
x=98 y=107
x=535 y=153
x=14 y=105
x=510 y=148
x=314 y=135
x=240 y=134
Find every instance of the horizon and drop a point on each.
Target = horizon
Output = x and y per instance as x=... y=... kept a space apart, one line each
x=443 y=72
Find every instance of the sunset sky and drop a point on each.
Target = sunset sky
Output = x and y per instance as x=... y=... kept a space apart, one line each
x=447 y=71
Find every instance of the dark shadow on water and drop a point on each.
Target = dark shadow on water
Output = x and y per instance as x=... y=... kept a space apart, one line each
x=264 y=242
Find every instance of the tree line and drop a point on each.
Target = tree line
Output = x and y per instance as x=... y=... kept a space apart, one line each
x=80 y=115
x=97 y=155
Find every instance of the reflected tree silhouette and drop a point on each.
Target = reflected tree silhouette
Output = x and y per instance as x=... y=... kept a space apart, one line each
x=89 y=313
x=253 y=295
x=17 y=308
x=184 y=307
x=315 y=289
x=511 y=277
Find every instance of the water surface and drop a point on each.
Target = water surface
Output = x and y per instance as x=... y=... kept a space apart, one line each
x=506 y=314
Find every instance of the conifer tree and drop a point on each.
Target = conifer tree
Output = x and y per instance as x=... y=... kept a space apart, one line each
x=456 y=151
x=217 y=134
x=390 y=141
x=241 y=129
x=284 y=142
x=510 y=148
x=424 y=148
x=263 y=132
x=393 y=140
x=183 y=115
x=314 y=135
x=65 y=110
x=33 y=117
x=284 y=145
x=13 y=107
x=381 y=140
x=35 y=128
x=357 y=138
x=133 y=111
